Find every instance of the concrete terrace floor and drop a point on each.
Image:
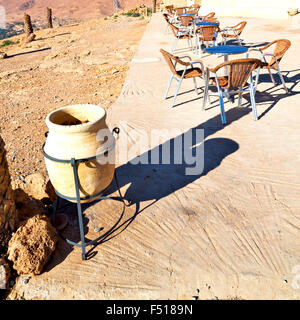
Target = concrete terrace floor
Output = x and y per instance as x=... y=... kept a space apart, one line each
x=230 y=232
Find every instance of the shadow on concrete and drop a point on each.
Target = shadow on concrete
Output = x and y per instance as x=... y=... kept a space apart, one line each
x=152 y=182
x=275 y=93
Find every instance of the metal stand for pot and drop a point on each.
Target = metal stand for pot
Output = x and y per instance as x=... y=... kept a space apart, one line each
x=98 y=196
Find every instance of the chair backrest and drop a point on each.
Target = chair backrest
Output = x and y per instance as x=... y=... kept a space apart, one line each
x=240 y=70
x=281 y=46
x=210 y=15
x=179 y=10
x=169 y=59
x=208 y=33
x=186 y=21
x=171 y=7
x=192 y=11
x=240 y=27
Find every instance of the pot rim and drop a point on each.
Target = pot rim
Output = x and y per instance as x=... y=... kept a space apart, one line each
x=77 y=127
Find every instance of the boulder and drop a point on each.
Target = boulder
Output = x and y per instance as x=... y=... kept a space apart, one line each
x=4 y=273
x=32 y=245
x=3 y=55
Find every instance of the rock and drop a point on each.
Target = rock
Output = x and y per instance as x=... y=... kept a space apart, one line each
x=8 y=213
x=32 y=245
x=4 y=273
x=28 y=39
x=36 y=186
x=3 y=55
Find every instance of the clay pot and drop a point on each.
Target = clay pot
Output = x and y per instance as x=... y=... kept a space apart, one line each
x=73 y=134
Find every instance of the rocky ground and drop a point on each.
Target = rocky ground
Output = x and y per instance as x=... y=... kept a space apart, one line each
x=78 y=63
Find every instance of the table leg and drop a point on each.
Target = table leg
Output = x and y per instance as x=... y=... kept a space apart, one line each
x=229 y=97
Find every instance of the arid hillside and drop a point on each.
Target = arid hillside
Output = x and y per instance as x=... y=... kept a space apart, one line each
x=65 y=9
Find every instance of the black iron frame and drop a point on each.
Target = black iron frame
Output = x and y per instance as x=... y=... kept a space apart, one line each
x=99 y=196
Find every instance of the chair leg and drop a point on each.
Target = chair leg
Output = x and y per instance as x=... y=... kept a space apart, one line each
x=196 y=88
x=174 y=45
x=240 y=97
x=169 y=84
x=252 y=98
x=271 y=76
x=282 y=80
x=190 y=44
x=206 y=95
x=176 y=92
x=223 y=116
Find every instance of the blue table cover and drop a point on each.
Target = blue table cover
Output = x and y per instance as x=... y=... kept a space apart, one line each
x=226 y=49
x=187 y=14
x=206 y=23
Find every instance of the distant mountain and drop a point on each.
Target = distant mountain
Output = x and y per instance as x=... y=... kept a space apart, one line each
x=64 y=9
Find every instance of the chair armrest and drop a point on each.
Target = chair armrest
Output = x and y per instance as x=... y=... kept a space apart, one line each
x=183 y=57
x=201 y=63
x=178 y=60
x=227 y=29
x=219 y=66
x=267 y=46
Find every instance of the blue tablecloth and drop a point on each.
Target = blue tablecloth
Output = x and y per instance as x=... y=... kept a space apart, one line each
x=187 y=14
x=226 y=50
x=206 y=23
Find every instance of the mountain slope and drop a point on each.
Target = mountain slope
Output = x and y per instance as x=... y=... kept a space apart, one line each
x=65 y=9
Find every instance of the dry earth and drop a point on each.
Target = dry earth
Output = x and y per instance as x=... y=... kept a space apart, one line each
x=80 y=63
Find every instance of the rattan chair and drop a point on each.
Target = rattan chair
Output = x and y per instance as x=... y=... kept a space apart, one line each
x=233 y=32
x=189 y=72
x=281 y=46
x=206 y=34
x=186 y=23
x=179 y=35
x=239 y=72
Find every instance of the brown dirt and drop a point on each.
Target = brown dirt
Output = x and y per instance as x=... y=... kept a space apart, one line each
x=74 y=64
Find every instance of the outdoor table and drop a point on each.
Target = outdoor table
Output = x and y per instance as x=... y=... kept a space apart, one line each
x=187 y=14
x=206 y=23
x=226 y=51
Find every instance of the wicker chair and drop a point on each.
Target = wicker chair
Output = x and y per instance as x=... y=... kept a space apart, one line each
x=206 y=34
x=186 y=23
x=235 y=82
x=281 y=46
x=233 y=32
x=189 y=72
x=180 y=34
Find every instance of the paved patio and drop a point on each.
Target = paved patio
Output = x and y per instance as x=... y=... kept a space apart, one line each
x=230 y=232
